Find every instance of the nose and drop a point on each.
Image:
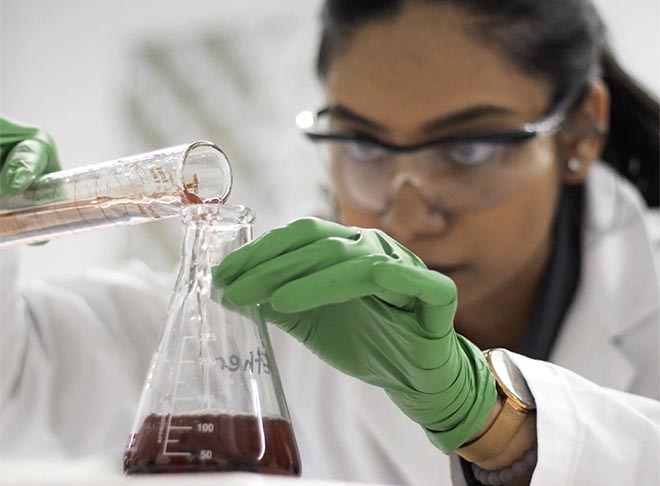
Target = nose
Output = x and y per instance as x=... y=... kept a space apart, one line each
x=409 y=216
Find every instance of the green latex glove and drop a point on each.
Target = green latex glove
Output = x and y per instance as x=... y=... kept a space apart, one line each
x=25 y=154
x=370 y=308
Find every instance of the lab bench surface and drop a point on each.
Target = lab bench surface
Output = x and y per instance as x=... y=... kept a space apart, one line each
x=101 y=471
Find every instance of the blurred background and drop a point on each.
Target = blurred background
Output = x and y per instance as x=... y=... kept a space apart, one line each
x=112 y=78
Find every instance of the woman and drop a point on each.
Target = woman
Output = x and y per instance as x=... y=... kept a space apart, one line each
x=467 y=130
x=470 y=133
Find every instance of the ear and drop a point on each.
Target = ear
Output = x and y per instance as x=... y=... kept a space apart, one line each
x=584 y=136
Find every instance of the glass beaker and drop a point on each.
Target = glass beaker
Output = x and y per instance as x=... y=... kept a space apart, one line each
x=212 y=400
x=130 y=190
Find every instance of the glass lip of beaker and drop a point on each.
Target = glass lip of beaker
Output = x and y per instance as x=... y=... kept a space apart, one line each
x=223 y=161
x=220 y=213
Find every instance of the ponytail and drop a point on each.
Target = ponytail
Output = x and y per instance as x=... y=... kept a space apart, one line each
x=632 y=143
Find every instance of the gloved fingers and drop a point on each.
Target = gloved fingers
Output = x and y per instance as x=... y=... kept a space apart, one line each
x=13 y=132
x=289 y=323
x=297 y=234
x=394 y=248
x=435 y=291
x=24 y=163
x=52 y=159
x=269 y=314
x=342 y=282
x=257 y=284
x=429 y=286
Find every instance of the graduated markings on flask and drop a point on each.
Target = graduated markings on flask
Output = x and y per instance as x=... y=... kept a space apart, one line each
x=169 y=427
x=256 y=362
x=201 y=427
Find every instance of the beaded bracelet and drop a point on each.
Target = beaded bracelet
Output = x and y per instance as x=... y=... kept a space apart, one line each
x=503 y=476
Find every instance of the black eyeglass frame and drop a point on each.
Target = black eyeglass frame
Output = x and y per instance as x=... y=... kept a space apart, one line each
x=527 y=133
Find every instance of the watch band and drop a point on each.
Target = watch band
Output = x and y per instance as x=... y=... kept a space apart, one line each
x=489 y=445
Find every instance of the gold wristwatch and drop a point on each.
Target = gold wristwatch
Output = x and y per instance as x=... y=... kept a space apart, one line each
x=518 y=402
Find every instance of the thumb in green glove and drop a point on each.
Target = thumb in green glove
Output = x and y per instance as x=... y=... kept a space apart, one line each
x=25 y=154
x=370 y=308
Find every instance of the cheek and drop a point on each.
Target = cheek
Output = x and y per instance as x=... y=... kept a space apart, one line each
x=351 y=216
x=510 y=237
x=524 y=225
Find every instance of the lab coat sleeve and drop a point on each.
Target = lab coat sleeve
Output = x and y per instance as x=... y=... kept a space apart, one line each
x=12 y=309
x=73 y=357
x=588 y=434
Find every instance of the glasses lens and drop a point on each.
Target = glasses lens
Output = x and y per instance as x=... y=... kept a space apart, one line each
x=488 y=174
x=455 y=177
x=471 y=154
x=361 y=172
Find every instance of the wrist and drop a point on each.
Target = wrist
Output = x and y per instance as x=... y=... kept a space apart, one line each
x=507 y=437
x=478 y=404
x=515 y=463
x=495 y=411
x=514 y=449
x=518 y=473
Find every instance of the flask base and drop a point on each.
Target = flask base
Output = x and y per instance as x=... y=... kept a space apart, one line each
x=213 y=443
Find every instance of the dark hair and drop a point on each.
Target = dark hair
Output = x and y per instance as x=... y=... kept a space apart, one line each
x=563 y=41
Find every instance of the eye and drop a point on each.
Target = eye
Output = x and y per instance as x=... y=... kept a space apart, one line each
x=363 y=151
x=473 y=154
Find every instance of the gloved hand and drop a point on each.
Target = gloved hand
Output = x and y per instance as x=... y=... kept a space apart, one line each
x=25 y=154
x=370 y=308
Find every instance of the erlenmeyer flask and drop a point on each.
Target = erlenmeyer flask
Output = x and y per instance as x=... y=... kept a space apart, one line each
x=212 y=400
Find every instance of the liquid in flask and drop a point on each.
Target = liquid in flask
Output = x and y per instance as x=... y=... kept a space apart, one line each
x=212 y=400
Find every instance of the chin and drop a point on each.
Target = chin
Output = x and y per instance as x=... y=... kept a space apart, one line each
x=470 y=288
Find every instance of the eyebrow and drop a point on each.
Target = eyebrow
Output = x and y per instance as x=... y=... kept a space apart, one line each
x=340 y=111
x=437 y=124
x=465 y=116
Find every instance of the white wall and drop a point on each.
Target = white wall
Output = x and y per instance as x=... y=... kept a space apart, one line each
x=69 y=65
x=634 y=28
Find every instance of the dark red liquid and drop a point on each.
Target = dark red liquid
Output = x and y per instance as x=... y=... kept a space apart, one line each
x=211 y=443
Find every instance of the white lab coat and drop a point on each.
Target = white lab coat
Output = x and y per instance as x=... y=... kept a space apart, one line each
x=74 y=354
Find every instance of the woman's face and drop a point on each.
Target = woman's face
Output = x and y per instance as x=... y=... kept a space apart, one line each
x=424 y=69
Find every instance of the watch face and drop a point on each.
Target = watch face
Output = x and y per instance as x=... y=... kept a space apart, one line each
x=510 y=376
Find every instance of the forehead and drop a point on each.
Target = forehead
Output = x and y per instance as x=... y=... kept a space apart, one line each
x=423 y=63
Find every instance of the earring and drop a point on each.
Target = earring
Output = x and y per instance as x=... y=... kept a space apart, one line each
x=573 y=165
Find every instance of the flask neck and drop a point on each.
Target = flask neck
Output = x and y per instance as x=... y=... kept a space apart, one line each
x=211 y=233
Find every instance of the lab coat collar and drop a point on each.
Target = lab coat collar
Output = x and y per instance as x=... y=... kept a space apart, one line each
x=619 y=283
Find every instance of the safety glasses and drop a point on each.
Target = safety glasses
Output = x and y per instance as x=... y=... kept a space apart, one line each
x=453 y=173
